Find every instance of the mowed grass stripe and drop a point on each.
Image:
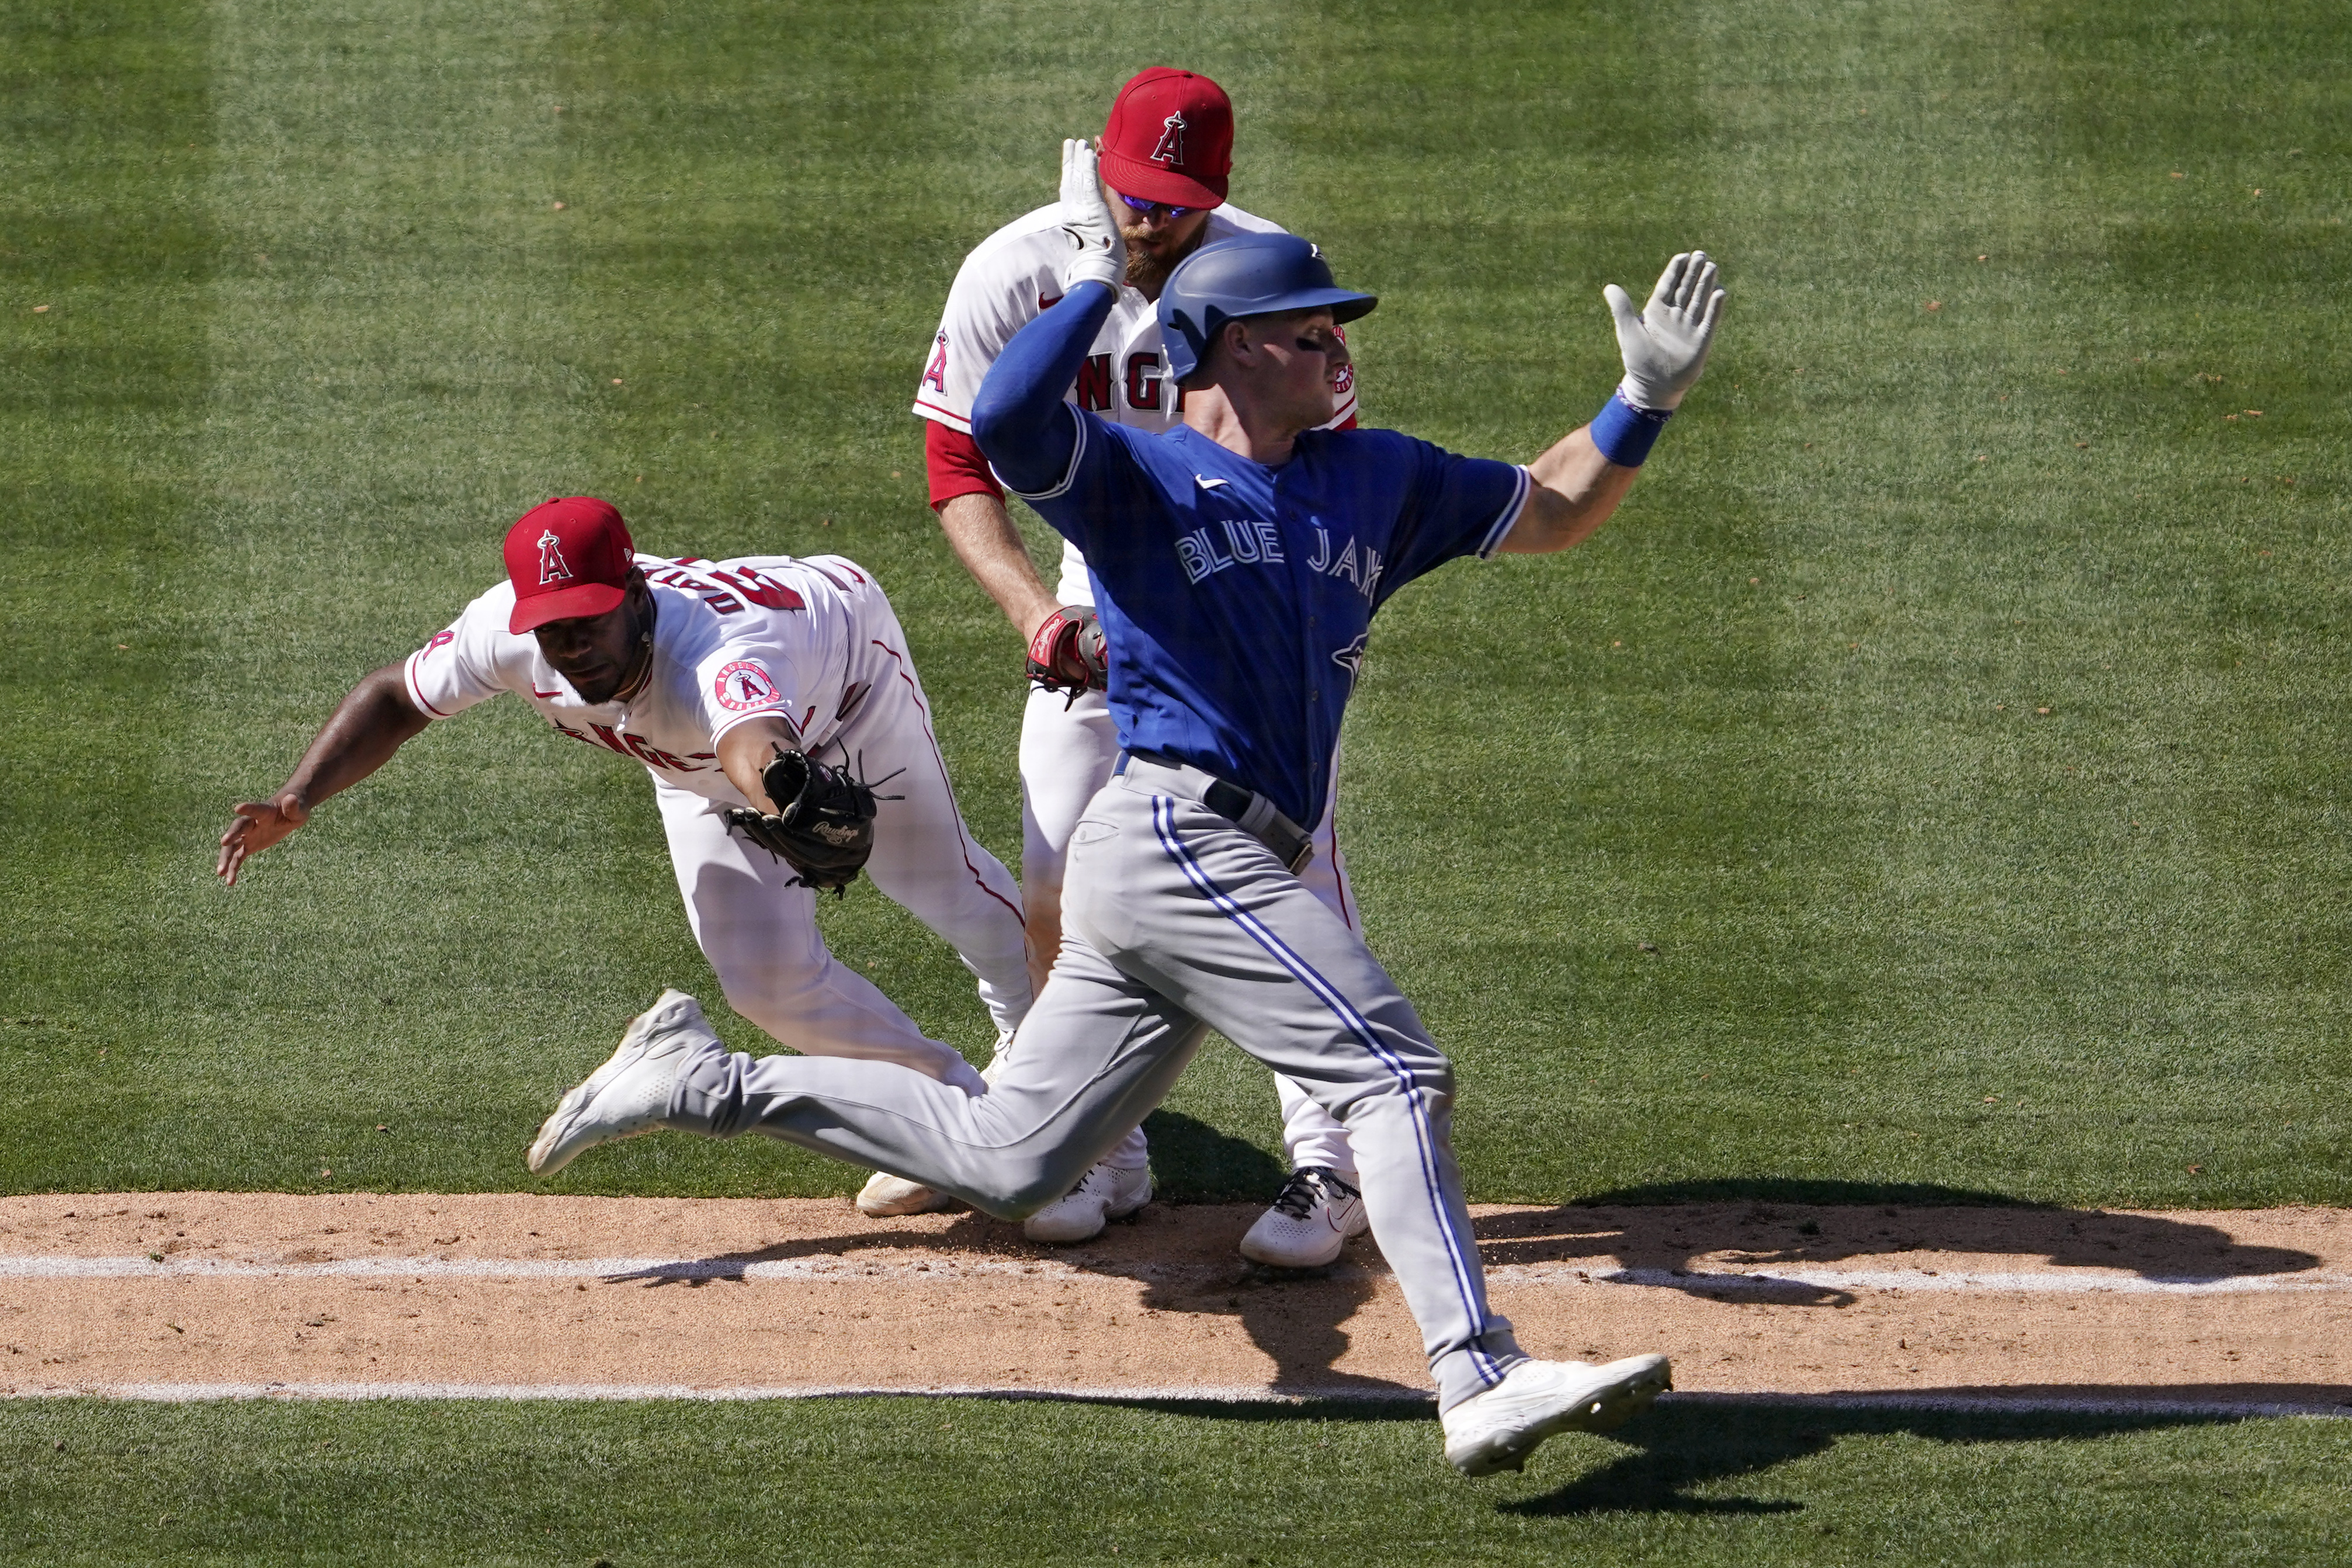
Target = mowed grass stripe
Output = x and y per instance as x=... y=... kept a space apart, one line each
x=826 y=1481
x=106 y=245
x=103 y=374
x=1756 y=721
x=385 y=320
x=2043 y=729
x=1896 y=939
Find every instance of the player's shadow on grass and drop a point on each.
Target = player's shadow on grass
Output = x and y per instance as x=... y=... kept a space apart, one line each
x=1662 y=1461
x=1667 y=1235
x=1193 y=1163
x=1680 y=1447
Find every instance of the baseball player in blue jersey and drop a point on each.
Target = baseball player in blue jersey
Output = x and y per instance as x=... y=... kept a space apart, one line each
x=1236 y=574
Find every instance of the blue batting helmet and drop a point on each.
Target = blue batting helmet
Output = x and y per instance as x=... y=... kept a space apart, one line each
x=1254 y=275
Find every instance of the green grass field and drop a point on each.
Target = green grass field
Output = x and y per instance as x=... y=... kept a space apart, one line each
x=315 y=331
x=293 y=325
x=864 y=1482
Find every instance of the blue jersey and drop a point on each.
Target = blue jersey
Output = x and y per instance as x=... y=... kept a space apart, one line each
x=1237 y=599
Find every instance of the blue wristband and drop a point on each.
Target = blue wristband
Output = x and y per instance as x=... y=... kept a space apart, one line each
x=1625 y=434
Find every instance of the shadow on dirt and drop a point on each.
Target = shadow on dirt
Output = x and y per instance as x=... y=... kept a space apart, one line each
x=1294 y=1316
x=1184 y=1257
x=1684 y=1236
x=1663 y=1234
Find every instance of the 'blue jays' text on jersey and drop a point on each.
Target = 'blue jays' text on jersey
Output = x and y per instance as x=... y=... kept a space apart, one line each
x=1236 y=597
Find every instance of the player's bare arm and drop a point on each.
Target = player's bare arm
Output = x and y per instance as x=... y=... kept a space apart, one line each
x=747 y=749
x=602 y=657
x=372 y=722
x=982 y=534
x=1576 y=490
x=1580 y=481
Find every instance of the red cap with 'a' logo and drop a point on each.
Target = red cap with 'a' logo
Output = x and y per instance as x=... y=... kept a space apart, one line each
x=566 y=558
x=1170 y=139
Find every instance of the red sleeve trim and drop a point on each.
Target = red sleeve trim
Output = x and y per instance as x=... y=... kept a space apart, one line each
x=956 y=465
x=416 y=693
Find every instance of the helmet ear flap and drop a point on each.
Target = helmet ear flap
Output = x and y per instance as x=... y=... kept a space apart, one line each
x=1186 y=347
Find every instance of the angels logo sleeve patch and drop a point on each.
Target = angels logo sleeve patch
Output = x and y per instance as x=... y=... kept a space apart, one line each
x=744 y=685
x=739 y=684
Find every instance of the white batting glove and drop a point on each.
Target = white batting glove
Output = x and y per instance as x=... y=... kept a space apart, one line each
x=1098 y=253
x=1665 y=345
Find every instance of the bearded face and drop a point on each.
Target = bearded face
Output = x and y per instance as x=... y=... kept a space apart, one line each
x=1149 y=266
x=1155 y=242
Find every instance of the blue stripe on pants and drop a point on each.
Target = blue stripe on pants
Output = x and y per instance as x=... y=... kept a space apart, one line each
x=1163 y=821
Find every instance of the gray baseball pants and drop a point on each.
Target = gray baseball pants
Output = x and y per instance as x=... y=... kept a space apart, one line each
x=1175 y=921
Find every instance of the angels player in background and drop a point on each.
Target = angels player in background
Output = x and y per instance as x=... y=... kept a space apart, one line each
x=1166 y=154
x=698 y=670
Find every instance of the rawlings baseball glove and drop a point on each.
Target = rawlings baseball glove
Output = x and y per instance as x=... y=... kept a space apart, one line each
x=1068 y=653
x=823 y=825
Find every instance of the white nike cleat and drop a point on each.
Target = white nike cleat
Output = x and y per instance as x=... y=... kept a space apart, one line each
x=630 y=1093
x=1309 y=1223
x=1498 y=1429
x=886 y=1196
x=1104 y=1193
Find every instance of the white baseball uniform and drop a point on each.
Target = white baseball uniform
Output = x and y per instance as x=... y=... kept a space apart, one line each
x=815 y=642
x=1068 y=748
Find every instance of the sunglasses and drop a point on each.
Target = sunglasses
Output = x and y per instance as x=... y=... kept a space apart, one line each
x=1147 y=208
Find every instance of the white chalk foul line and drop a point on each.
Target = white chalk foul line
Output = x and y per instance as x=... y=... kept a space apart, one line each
x=1798 y=1282
x=1994 y=1404
x=26 y=1267
x=180 y=1393
x=1894 y=1401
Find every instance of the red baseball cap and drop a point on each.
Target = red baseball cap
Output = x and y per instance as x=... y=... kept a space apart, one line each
x=1170 y=139
x=568 y=557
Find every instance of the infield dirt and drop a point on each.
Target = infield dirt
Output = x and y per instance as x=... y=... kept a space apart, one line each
x=192 y=1291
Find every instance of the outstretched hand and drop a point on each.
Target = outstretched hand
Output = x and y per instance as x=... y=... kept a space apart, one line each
x=1098 y=254
x=1665 y=345
x=257 y=824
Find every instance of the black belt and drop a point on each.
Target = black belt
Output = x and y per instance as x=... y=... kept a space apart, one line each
x=1246 y=809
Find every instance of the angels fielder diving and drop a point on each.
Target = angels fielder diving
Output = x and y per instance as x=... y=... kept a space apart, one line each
x=726 y=681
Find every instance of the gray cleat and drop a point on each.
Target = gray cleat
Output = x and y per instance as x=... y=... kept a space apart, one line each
x=630 y=1093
